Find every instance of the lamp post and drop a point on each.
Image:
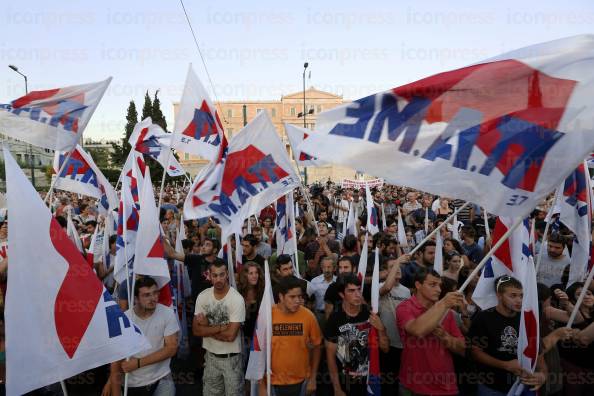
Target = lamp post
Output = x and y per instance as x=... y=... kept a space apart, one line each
x=304 y=116
x=31 y=164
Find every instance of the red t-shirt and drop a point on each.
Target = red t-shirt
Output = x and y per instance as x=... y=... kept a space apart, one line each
x=427 y=366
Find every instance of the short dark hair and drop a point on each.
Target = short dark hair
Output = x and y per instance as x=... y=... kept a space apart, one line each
x=113 y=239
x=91 y=222
x=423 y=273
x=505 y=282
x=288 y=283
x=347 y=258
x=425 y=246
x=218 y=263
x=349 y=242
x=251 y=239
x=145 y=281
x=216 y=244
x=344 y=280
x=469 y=231
x=283 y=259
x=187 y=243
x=556 y=237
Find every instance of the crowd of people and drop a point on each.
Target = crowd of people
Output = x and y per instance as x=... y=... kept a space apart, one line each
x=433 y=340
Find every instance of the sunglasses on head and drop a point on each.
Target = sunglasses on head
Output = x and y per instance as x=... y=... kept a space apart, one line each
x=502 y=280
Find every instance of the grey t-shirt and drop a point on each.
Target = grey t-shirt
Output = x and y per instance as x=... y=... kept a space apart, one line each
x=155 y=328
x=551 y=270
x=387 y=312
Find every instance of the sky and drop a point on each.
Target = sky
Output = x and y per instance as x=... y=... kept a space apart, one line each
x=256 y=50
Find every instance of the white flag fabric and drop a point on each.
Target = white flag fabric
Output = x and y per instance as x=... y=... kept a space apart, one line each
x=253 y=173
x=54 y=119
x=285 y=218
x=43 y=285
x=438 y=260
x=80 y=175
x=510 y=259
x=401 y=231
x=372 y=217
x=259 y=362
x=297 y=135
x=92 y=247
x=576 y=213
x=362 y=268
x=499 y=129
x=151 y=140
x=73 y=233
x=197 y=129
x=149 y=254
x=375 y=283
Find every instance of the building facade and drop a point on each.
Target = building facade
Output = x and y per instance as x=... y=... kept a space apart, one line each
x=289 y=109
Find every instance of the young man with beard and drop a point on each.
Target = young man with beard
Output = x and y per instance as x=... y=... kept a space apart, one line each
x=424 y=258
x=346 y=334
x=149 y=372
x=219 y=313
x=249 y=245
x=319 y=248
x=296 y=343
x=554 y=262
x=332 y=300
x=429 y=335
x=494 y=339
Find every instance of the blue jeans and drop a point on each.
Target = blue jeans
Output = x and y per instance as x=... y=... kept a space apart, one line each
x=484 y=390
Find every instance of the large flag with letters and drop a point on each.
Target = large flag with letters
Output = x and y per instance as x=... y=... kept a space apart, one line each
x=53 y=119
x=296 y=136
x=198 y=128
x=151 y=140
x=499 y=131
x=575 y=211
x=253 y=173
x=80 y=175
x=60 y=320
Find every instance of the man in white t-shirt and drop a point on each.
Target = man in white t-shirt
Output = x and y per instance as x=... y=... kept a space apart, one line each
x=148 y=371
x=219 y=313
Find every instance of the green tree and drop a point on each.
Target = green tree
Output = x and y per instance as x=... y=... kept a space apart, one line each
x=147 y=108
x=157 y=114
x=121 y=150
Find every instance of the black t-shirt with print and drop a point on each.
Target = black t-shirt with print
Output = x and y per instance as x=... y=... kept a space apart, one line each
x=197 y=266
x=497 y=336
x=350 y=336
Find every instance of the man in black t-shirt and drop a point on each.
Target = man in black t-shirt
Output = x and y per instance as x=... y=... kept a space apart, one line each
x=346 y=334
x=494 y=339
x=332 y=300
x=248 y=245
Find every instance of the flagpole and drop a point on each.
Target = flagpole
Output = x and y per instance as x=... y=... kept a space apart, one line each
x=53 y=182
x=428 y=237
x=545 y=236
x=486 y=221
x=490 y=253
x=580 y=299
x=64 y=390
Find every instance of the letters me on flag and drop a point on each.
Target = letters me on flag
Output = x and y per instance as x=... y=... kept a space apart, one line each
x=52 y=119
x=198 y=128
x=150 y=139
x=251 y=175
x=80 y=175
x=60 y=320
x=297 y=135
x=501 y=128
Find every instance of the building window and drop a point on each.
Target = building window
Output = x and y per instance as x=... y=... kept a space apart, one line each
x=230 y=113
x=319 y=109
x=186 y=156
x=273 y=112
x=293 y=111
x=19 y=158
x=258 y=111
x=230 y=132
x=312 y=126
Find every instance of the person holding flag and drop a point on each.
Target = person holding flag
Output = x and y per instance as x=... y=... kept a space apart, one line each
x=429 y=335
x=494 y=337
x=148 y=372
x=346 y=334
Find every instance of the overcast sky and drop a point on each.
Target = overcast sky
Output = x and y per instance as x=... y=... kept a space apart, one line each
x=255 y=50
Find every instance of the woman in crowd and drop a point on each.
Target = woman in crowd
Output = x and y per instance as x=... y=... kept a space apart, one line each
x=452 y=265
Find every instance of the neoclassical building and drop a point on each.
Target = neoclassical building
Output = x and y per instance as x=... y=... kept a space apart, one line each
x=234 y=115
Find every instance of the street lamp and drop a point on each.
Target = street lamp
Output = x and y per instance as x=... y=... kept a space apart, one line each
x=304 y=113
x=31 y=165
